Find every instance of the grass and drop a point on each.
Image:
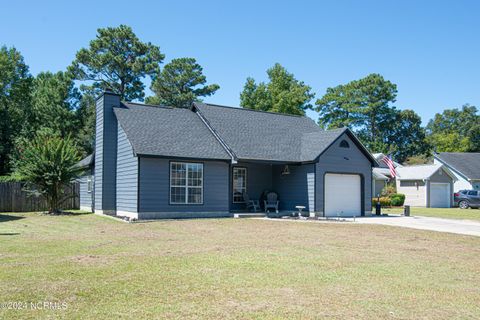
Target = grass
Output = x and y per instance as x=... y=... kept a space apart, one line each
x=234 y=269
x=450 y=213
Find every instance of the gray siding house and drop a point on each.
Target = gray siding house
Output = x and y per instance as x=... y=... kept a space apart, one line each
x=429 y=185
x=162 y=162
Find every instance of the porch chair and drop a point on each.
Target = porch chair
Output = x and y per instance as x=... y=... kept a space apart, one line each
x=271 y=202
x=255 y=204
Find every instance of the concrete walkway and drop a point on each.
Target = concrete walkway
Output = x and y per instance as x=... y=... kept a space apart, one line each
x=467 y=227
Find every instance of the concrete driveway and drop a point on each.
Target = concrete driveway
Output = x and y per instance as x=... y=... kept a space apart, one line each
x=467 y=227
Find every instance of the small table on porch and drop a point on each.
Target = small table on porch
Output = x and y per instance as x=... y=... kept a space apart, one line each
x=299 y=208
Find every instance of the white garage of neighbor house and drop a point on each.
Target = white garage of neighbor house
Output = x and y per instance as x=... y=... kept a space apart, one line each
x=426 y=185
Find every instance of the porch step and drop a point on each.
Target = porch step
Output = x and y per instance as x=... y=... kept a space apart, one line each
x=249 y=215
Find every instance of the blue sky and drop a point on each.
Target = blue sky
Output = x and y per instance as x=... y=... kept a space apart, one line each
x=430 y=49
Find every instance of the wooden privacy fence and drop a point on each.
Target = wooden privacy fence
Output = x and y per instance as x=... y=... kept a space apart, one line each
x=13 y=198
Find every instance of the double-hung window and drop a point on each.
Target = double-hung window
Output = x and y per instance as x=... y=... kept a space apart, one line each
x=239 y=184
x=186 y=183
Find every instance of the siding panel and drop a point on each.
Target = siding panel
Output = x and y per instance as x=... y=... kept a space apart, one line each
x=294 y=189
x=311 y=191
x=343 y=160
x=86 y=200
x=415 y=196
x=154 y=190
x=127 y=175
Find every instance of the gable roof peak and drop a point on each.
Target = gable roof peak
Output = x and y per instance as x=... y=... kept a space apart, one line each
x=467 y=164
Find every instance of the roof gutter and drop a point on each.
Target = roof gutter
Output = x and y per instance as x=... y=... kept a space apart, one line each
x=234 y=159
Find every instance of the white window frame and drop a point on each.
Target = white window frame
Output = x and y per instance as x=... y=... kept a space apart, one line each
x=244 y=189
x=186 y=186
x=89 y=184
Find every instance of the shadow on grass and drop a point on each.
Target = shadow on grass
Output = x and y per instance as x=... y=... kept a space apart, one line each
x=72 y=213
x=65 y=213
x=6 y=218
x=9 y=234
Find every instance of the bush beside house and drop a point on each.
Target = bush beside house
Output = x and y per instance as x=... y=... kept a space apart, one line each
x=391 y=200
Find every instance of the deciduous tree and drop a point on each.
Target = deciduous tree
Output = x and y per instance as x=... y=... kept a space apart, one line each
x=407 y=137
x=55 y=101
x=85 y=114
x=283 y=93
x=365 y=106
x=15 y=102
x=455 y=130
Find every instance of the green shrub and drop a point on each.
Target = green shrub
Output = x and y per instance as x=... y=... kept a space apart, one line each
x=397 y=199
x=384 y=201
x=10 y=178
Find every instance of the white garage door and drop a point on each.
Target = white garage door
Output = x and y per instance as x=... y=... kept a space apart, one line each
x=342 y=195
x=439 y=195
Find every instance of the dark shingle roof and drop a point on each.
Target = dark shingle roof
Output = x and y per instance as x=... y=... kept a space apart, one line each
x=468 y=164
x=165 y=131
x=256 y=135
x=314 y=143
x=246 y=134
x=86 y=162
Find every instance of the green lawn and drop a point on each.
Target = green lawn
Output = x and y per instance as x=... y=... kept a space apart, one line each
x=451 y=213
x=234 y=269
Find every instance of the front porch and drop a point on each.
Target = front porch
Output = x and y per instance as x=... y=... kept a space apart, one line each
x=293 y=183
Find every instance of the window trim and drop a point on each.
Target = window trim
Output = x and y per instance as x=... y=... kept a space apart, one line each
x=89 y=184
x=201 y=187
x=233 y=183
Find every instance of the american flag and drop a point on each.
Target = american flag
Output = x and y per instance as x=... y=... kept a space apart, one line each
x=388 y=161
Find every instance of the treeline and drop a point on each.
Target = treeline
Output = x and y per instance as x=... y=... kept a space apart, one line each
x=62 y=104
x=367 y=107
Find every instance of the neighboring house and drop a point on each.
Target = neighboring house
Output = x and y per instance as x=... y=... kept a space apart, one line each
x=465 y=166
x=426 y=185
x=86 y=184
x=381 y=174
x=163 y=162
x=379 y=182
